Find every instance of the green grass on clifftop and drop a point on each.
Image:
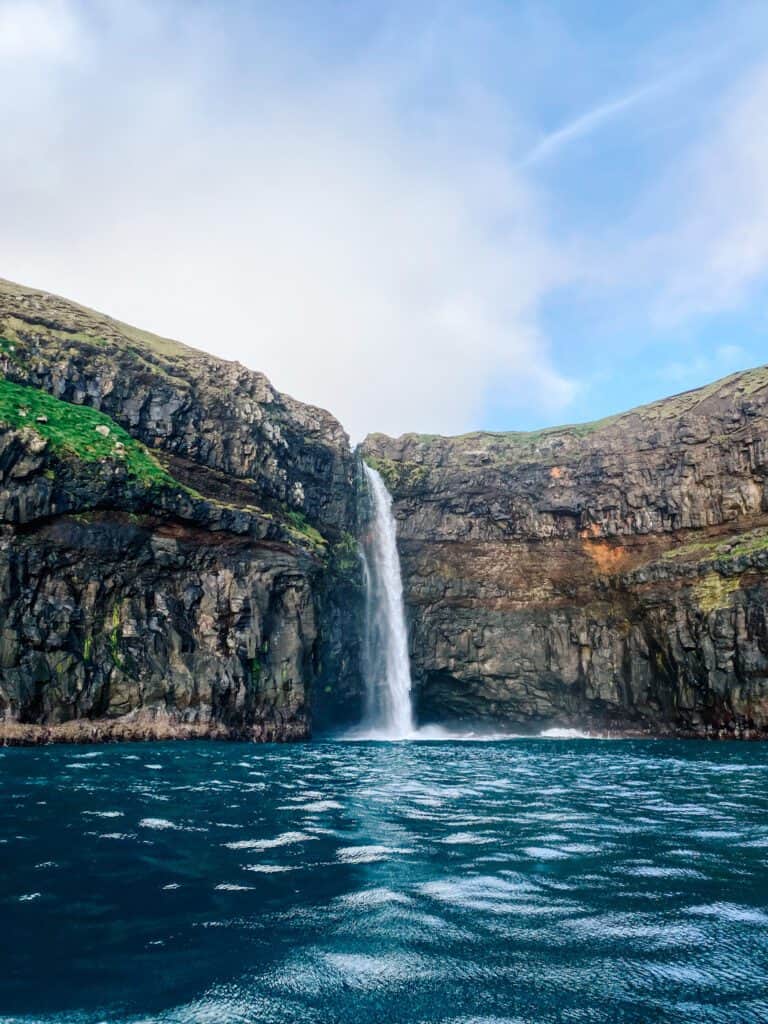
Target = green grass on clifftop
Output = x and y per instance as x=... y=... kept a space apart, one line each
x=81 y=324
x=555 y=443
x=71 y=430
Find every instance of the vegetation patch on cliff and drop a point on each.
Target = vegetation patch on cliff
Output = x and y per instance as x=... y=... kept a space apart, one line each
x=78 y=431
x=345 y=559
x=403 y=475
x=747 y=543
x=8 y=352
x=298 y=524
x=714 y=591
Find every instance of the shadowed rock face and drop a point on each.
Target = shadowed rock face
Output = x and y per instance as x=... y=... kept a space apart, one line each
x=609 y=576
x=177 y=552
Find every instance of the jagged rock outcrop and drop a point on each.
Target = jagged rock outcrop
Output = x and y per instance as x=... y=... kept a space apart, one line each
x=177 y=548
x=612 y=575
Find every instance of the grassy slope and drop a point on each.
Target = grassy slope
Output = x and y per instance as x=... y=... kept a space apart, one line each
x=94 y=326
x=71 y=430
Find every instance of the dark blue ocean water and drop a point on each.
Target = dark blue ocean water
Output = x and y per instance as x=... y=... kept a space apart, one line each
x=481 y=883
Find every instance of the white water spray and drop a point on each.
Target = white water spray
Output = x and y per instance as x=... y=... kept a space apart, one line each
x=387 y=666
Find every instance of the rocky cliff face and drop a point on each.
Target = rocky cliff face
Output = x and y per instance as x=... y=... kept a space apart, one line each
x=177 y=549
x=178 y=553
x=612 y=575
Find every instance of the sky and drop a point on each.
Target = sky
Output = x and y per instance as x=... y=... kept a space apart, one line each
x=433 y=216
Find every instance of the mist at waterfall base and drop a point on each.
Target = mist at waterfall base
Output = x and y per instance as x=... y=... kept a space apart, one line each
x=408 y=883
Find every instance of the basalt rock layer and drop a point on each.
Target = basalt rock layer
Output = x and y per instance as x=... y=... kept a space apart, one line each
x=177 y=539
x=611 y=576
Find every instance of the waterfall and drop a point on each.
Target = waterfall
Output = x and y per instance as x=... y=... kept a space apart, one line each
x=387 y=666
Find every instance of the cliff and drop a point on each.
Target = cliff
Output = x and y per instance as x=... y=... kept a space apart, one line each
x=177 y=539
x=612 y=575
x=178 y=553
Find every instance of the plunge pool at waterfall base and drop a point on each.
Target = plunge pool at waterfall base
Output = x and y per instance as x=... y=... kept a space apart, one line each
x=523 y=881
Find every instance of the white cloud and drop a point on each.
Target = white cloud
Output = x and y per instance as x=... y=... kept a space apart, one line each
x=715 y=248
x=38 y=29
x=386 y=264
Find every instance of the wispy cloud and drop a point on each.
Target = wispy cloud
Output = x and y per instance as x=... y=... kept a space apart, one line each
x=590 y=122
x=716 y=246
x=586 y=124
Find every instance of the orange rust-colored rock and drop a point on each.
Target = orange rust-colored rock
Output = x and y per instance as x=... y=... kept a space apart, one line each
x=608 y=558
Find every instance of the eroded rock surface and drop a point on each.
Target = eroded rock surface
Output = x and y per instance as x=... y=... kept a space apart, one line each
x=177 y=548
x=608 y=576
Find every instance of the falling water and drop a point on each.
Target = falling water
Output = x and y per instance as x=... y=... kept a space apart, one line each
x=387 y=667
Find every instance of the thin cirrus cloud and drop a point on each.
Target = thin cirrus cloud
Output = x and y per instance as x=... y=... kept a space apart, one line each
x=589 y=122
x=594 y=119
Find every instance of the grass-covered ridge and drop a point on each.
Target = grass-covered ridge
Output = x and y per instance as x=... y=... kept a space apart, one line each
x=71 y=430
x=556 y=441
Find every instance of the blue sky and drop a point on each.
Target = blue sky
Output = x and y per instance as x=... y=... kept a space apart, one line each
x=433 y=216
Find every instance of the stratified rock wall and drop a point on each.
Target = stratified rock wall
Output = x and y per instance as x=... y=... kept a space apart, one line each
x=177 y=539
x=610 y=575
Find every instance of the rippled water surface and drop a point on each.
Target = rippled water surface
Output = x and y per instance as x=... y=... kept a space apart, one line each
x=526 y=881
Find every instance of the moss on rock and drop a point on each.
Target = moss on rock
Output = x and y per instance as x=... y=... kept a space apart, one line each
x=79 y=431
x=714 y=591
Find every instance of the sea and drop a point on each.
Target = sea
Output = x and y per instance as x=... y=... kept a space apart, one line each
x=525 y=881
